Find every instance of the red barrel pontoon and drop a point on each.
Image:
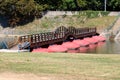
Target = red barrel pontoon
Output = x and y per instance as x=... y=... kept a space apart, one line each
x=99 y=38
x=40 y=50
x=57 y=48
x=81 y=42
x=91 y=40
x=83 y=49
x=70 y=45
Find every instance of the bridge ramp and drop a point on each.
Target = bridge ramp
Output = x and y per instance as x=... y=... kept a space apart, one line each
x=116 y=28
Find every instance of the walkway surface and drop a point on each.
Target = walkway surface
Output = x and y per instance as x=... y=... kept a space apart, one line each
x=115 y=29
x=14 y=76
x=14 y=48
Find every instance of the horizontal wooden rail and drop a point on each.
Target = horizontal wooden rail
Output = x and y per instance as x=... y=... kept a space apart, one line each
x=59 y=35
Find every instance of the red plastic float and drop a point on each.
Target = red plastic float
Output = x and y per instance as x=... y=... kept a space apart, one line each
x=35 y=50
x=57 y=48
x=83 y=49
x=92 y=46
x=99 y=38
x=81 y=42
x=70 y=45
x=91 y=40
x=101 y=43
x=40 y=50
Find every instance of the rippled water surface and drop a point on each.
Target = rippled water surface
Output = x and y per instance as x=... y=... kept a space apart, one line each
x=108 y=47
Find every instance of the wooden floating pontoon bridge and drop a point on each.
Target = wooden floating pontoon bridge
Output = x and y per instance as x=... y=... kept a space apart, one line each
x=60 y=35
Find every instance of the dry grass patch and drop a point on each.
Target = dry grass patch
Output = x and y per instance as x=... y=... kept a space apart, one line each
x=51 y=23
x=63 y=66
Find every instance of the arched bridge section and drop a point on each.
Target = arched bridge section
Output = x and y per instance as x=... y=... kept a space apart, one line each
x=61 y=34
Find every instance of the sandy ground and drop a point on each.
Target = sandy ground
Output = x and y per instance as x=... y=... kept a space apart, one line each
x=13 y=76
x=16 y=76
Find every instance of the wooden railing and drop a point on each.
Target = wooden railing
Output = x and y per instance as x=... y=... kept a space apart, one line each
x=59 y=35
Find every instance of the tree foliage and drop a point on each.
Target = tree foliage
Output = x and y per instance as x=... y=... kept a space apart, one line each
x=81 y=3
x=68 y=5
x=20 y=11
x=114 y=5
x=23 y=11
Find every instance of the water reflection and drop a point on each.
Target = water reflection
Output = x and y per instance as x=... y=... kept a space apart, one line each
x=83 y=49
x=108 y=47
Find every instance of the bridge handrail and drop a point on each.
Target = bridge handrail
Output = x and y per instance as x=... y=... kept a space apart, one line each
x=60 y=34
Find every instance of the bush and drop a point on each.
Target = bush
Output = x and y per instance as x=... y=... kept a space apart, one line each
x=93 y=14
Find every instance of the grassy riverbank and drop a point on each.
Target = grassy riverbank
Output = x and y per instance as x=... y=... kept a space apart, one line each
x=60 y=66
x=51 y=23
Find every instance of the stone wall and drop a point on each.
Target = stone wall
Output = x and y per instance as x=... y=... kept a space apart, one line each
x=59 y=13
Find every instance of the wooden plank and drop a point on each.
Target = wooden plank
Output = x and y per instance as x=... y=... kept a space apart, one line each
x=60 y=34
